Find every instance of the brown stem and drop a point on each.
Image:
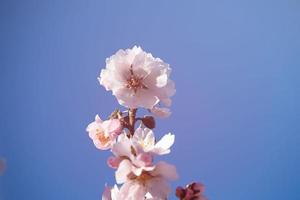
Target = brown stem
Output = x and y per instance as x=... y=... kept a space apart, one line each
x=131 y=114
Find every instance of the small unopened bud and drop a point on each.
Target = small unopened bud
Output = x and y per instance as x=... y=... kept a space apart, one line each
x=180 y=192
x=193 y=191
x=197 y=187
x=149 y=122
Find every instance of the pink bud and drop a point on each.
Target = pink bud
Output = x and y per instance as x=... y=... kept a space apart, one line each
x=113 y=162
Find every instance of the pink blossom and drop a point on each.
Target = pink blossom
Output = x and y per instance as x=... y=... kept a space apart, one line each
x=123 y=147
x=137 y=79
x=141 y=148
x=150 y=180
x=144 y=139
x=104 y=133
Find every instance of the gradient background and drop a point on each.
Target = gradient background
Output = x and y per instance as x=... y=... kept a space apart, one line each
x=235 y=113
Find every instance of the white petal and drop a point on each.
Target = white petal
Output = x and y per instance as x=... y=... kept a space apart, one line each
x=170 y=88
x=123 y=170
x=115 y=193
x=162 y=80
x=132 y=190
x=138 y=134
x=145 y=98
x=137 y=170
x=106 y=193
x=122 y=148
x=164 y=144
x=126 y=97
x=149 y=140
x=98 y=119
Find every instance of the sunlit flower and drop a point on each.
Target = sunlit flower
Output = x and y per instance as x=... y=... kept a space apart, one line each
x=104 y=133
x=125 y=149
x=137 y=79
x=151 y=181
x=144 y=138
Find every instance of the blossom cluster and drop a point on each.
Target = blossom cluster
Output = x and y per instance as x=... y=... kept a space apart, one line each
x=138 y=81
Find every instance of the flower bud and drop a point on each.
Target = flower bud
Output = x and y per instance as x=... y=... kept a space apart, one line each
x=149 y=122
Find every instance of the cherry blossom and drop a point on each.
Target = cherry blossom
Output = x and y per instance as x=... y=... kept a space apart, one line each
x=104 y=133
x=152 y=180
x=124 y=148
x=137 y=79
x=144 y=139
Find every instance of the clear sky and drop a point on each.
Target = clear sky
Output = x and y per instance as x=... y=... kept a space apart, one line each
x=235 y=114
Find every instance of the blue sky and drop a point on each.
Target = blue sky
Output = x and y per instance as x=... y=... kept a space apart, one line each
x=235 y=113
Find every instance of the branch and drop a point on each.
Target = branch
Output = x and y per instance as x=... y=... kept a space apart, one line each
x=132 y=119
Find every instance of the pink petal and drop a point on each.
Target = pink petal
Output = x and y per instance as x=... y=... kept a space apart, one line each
x=132 y=190
x=115 y=126
x=165 y=170
x=113 y=162
x=145 y=158
x=106 y=195
x=161 y=112
x=158 y=188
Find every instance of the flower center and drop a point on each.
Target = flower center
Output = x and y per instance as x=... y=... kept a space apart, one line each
x=134 y=82
x=103 y=139
x=143 y=178
x=145 y=144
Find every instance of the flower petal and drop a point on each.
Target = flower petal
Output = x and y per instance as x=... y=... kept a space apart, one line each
x=123 y=170
x=165 y=170
x=106 y=195
x=163 y=145
x=158 y=188
x=161 y=112
x=132 y=190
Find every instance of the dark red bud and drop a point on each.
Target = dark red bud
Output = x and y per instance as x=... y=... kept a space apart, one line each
x=180 y=192
x=149 y=122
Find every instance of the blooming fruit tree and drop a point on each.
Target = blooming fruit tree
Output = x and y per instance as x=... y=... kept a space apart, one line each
x=138 y=81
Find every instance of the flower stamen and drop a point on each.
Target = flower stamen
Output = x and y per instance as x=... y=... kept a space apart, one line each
x=134 y=82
